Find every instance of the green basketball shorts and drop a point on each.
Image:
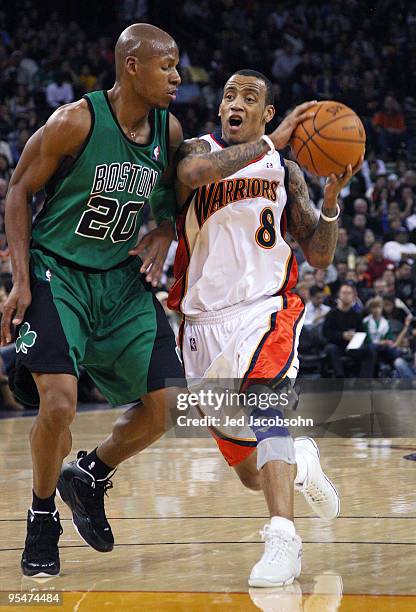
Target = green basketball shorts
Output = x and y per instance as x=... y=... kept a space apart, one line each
x=107 y=322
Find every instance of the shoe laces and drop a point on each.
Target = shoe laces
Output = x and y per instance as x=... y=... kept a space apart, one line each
x=43 y=535
x=93 y=498
x=277 y=542
x=315 y=493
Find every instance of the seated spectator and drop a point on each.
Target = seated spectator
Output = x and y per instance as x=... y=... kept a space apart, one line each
x=315 y=309
x=5 y=168
x=371 y=168
x=359 y=224
x=369 y=239
x=339 y=327
x=302 y=290
x=343 y=249
x=390 y=126
x=86 y=79
x=308 y=278
x=400 y=247
x=330 y=273
x=405 y=285
x=355 y=191
x=342 y=270
x=411 y=220
x=395 y=316
x=320 y=281
x=363 y=282
x=380 y=334
x=377 y=263
x=59 y=91
x=390 y=291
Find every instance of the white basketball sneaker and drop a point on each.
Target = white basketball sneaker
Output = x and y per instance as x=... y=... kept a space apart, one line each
x=317 y=489
x=281 y=561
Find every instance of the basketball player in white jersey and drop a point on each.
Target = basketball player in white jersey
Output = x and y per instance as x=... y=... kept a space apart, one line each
x=235 y=273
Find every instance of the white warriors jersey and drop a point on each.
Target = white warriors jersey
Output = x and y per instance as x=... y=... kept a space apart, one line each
x=231 y=239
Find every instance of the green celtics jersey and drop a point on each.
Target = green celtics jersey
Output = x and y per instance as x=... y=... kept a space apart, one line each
x=92 y=212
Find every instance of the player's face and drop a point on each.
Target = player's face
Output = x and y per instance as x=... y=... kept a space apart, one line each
x=243 y=110
x=157 y=79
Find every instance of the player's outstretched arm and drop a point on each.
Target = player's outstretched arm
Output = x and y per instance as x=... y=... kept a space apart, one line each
x=197 y=165
x=316 y=237
x=62 y=136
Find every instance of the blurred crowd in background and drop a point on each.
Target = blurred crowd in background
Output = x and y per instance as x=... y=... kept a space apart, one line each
x=362 y=55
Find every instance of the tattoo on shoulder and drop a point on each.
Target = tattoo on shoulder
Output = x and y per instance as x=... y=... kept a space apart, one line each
x=193 y=146
x=302 y=218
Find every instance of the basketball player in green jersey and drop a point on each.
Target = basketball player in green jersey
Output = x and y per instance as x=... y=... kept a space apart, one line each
x=78 y=298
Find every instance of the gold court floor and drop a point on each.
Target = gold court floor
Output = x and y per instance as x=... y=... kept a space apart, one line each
x=187 y=532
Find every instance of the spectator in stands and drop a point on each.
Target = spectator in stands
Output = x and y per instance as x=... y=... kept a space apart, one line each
x=405 y=286
x=5 y=169
x=395 y=316
x=321 y=282
x=315 y=309
x=359 y=224
x=377 y=263
x=308 y=278
x=302 y=289
x=343 y=249
x=86 y=79
x=390 y=126
x=400 y=247
x=342 y=270
x=369 y=239
x=411 y=220
x=381 y=336
x=339 y=327
x=59 y=91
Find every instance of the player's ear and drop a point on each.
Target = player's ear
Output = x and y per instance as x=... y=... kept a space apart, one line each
x=219 y=110
x=131 y=65
x=269 y=113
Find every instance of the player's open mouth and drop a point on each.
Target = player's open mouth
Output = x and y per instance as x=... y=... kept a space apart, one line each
x=172 y=93
x=235 y=122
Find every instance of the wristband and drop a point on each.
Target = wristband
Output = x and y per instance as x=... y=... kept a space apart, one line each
x=269 y=142
x=331 y=219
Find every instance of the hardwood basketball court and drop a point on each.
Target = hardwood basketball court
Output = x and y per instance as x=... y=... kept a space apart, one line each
x=187 y=532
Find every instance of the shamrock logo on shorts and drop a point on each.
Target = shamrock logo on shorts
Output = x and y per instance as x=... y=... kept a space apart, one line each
x=26 y=338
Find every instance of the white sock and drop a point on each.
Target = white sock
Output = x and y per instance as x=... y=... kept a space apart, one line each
x=284 y=524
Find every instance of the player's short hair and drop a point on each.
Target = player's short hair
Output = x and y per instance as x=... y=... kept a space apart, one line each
x=261 y=77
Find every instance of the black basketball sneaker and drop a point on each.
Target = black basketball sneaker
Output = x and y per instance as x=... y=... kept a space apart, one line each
x=40 y=557
x=85 y=497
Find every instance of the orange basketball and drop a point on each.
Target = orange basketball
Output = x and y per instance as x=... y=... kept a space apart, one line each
x=333 y=138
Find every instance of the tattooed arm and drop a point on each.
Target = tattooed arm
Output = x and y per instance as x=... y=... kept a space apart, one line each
x=316 y=237
x=197 y=165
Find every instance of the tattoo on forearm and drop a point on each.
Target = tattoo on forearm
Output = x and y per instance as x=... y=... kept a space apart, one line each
x=317 y=235
x=220 y=164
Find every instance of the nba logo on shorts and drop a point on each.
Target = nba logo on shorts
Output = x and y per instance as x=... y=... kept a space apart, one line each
x=192 y=342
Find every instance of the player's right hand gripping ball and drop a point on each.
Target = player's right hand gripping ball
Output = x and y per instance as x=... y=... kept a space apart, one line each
x=330 y=140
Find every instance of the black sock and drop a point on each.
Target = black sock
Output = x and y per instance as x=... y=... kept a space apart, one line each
x=93 y=464
x=43 y=505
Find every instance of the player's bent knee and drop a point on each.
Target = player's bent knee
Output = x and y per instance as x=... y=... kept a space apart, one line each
x=250 y=481
x=57 y=408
